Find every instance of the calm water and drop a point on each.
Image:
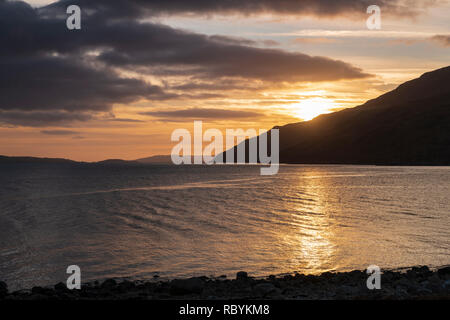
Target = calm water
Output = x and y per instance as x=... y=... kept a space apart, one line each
x=197 y=220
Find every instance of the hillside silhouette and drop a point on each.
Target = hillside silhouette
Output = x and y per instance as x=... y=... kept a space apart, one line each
x=407 y=126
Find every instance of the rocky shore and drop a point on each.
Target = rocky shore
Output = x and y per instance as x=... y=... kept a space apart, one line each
x=414 y=283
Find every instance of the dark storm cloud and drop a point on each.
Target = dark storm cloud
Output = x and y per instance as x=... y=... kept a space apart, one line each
x=165 y=51
x=320 y=8
x=205 y=113
x=54 y=83
x=41 y=118
x=208 y=57
x=44 y=66
x=34 y=76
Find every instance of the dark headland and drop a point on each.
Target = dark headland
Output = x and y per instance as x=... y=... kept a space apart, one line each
x=407 y=126
x=413 y=283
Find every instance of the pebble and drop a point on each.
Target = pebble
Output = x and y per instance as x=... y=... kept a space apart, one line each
x=3 y=289
x=263 y=289
x=109 y=284
x=241 y=275
x=186 y=286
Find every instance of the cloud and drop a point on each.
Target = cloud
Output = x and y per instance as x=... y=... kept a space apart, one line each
x=315 y=40
x=126 y=120
x=37 y=74
x=42 y=118
x=56 y=83
x=407 y=42
x=211 y=58
x=443 y=40
x=357 y=33
x=225 y=85
x=319 y=8
x=164 y=51
x=270 y=43
x=61 y=75
x=59 y=132
x=205 y=113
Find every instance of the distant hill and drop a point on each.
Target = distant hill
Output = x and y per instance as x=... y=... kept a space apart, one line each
x=164 y=159
x=407 y=126
x=116 y=162
x=5 y=159
x=160 y=159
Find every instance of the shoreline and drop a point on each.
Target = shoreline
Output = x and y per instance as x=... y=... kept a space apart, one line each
x=416 y=283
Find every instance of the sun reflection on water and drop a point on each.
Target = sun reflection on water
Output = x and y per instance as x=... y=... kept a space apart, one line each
x=311 y=234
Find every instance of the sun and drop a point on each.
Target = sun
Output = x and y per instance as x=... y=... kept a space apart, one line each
x=310 y=108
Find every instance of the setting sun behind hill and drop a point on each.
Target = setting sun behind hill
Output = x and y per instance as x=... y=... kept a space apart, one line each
x=310 y=108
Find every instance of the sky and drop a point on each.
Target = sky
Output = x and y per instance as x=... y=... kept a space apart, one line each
x=137 y=70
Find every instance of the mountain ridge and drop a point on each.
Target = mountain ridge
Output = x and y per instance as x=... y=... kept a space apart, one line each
x=409 y=125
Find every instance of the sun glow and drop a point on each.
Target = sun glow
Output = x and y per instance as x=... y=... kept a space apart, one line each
x=310 y=108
